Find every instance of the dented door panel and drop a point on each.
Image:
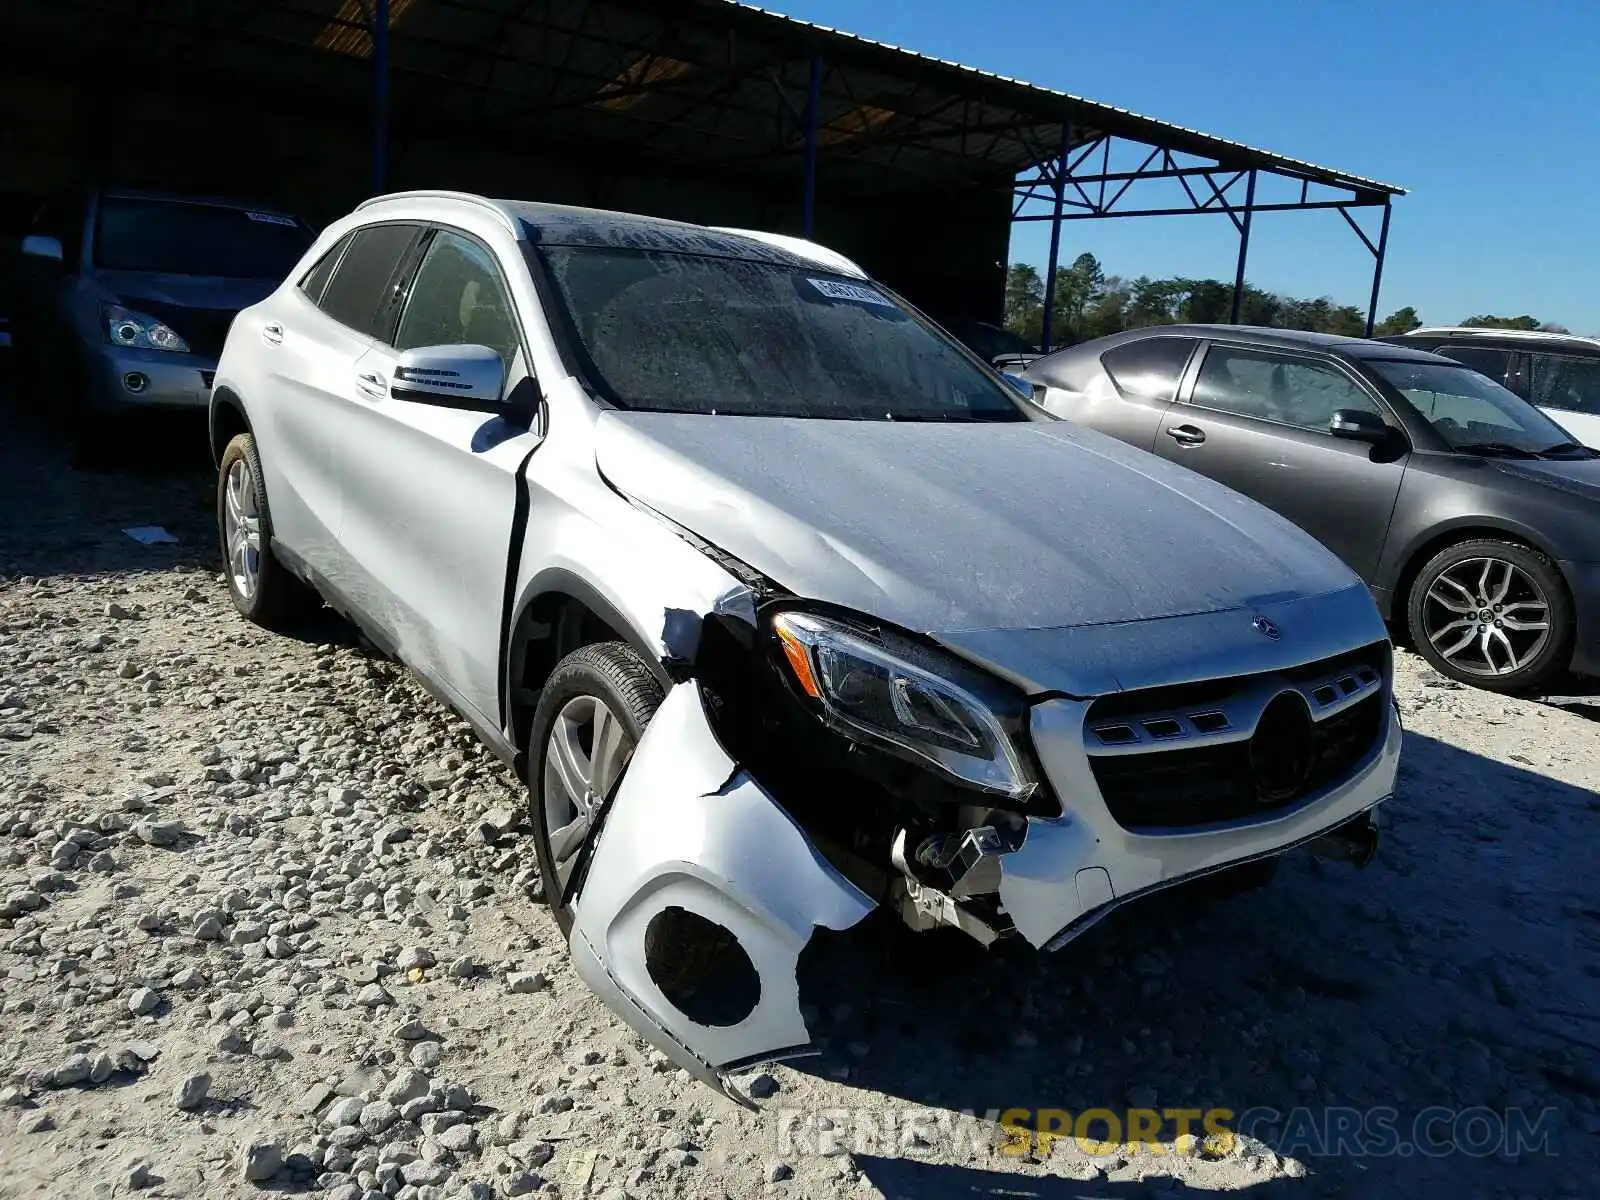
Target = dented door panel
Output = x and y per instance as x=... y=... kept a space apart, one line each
x=699 y=898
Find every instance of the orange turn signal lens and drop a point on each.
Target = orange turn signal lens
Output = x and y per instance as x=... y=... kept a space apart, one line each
x=799 y=657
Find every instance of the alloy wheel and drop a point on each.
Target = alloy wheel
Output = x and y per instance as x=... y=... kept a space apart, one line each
x=242 y=529
x=1486 y=616
x=586 y=753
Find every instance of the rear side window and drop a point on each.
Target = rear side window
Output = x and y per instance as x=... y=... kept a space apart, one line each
x=362 y=291
x=316 y=279
x=1148 y=369
x=1570 y=384
x=1482 y=359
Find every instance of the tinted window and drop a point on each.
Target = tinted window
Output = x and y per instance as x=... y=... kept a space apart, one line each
x=172 y=237
x=1148 y=369
x=1471 y=412
x=685 y=333
x=1493 y=363
x=62 y=217
x=317 y=278
x=1274 y=387
x=363 y=285
x=458 y=298
x=1572 y=384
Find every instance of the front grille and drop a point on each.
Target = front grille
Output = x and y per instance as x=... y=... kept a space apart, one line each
x=205 y=329
x=1207 y=784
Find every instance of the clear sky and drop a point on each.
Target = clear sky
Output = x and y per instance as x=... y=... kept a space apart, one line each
x=1487 y=113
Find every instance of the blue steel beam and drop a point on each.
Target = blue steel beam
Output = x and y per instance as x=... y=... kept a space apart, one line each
x=813 y=119
x=380 y=96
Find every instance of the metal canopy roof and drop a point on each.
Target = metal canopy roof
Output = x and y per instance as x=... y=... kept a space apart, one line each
x=712 y=86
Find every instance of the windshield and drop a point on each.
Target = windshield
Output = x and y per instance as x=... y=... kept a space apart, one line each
x=1471 y=411
x=174 y=237
x=687 y=333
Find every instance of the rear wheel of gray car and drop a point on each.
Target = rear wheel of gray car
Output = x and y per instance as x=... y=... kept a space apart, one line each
x=591 y=714
x=1493 y=614
x=261 y=587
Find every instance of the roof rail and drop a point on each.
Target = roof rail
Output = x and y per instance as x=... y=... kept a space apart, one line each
x=1496 y=331
x=440 y=194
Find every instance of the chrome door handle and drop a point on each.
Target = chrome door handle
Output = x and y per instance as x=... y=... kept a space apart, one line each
x=1187 y=435
x=272 y=334
x=372 y=384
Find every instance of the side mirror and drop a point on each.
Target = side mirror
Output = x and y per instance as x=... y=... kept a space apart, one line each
x=1358 y=425
x=468 y=377
x=37 y=245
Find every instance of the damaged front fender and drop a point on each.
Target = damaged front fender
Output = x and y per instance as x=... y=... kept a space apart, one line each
x=699 y=897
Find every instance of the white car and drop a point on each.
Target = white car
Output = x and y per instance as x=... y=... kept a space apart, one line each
x=782 y=602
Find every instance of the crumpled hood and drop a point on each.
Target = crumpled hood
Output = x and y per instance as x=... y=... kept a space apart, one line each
x=947 y=527
x=213 y=292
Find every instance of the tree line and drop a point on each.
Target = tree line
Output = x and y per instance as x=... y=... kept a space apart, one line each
x=1090 y=304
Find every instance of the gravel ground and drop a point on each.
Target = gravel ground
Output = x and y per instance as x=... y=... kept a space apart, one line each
x=269 y=921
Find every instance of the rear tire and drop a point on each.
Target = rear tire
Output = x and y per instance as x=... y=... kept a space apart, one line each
x=261 y=587
x=1493 y=614
x=611 y=674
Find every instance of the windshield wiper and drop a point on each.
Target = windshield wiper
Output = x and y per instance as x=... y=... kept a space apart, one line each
x=1568 y=447
x=1504 y=449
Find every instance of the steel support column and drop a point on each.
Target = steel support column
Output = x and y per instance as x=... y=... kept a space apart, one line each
x=1244 y=249
x=1377 y=269
x=1048 y=333
x=813 y=122
x=380 y=96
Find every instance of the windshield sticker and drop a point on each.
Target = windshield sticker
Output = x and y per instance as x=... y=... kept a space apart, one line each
x=272 y=219
x=835 y=289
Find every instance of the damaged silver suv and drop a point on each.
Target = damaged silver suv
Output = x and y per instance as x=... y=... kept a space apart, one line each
x=784 y=604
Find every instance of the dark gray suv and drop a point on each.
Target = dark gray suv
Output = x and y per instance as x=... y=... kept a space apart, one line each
x=1473 y=517
x=125 y=298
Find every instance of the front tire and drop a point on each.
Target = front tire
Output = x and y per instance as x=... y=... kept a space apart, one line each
x=591 y=714
x=1493 y=614
x=261 y=587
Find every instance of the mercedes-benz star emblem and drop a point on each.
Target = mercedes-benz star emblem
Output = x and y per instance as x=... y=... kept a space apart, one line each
x=1281 y=749
x=1266 y=628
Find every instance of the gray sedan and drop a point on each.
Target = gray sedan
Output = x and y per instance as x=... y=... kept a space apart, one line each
x=1474 y=518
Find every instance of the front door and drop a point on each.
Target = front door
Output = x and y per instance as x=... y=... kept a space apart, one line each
x=430 y=492
x=1257 y=420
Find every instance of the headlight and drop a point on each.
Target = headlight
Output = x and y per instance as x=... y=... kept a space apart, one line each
x=907 y=707
x=127 y=328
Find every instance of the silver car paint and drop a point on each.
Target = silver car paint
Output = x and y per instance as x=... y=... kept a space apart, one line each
x=1050 y=525
x=403 y=505
x=689 y=828
x=1044 y=885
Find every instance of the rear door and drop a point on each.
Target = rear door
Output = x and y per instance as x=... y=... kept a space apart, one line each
x=312 y=338
x=430 y=492
x=1144 y=376
x=1256 y=419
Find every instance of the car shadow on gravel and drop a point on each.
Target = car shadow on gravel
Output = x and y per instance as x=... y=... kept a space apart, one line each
x=912 y=1179
x=57 y=519
x=1425 y=980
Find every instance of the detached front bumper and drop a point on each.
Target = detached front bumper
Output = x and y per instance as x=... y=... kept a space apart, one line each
x=702 y=890
x=122 y=378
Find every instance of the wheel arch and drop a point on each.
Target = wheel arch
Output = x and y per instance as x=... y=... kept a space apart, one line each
x=560 y=612
x=1423 y=551
x=227 y=421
